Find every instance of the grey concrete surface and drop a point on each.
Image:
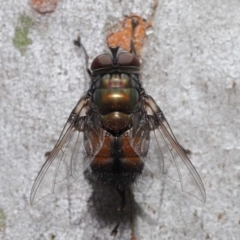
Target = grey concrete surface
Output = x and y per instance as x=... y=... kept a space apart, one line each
x=191 y=60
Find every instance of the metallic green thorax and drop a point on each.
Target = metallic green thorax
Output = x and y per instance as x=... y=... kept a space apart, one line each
x=115 y=97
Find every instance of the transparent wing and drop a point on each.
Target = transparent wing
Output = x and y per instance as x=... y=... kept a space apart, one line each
x=65 y=158
x=140 y=140
x=175 y=162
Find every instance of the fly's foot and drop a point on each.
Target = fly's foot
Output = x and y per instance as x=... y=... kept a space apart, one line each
x=114 y=231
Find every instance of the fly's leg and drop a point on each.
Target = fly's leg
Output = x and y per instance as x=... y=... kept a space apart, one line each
x=132 y=46
x=122 y=194
x=79 y=44
x=133 y=237
x=187 y=151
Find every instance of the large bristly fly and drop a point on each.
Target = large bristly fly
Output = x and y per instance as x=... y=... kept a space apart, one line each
x=110 y=129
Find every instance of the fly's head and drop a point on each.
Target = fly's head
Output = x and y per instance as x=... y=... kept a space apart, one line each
x=117 y=61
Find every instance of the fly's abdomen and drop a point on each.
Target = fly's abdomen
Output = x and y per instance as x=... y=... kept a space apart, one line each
x=117 y=163
x=115 y=98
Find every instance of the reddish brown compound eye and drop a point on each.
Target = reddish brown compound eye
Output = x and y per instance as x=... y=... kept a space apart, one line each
x=101 y=61
x=128 y=60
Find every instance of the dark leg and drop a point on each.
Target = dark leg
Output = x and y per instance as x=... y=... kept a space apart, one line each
x=134 y=25
x=79 y=44
x=132 y=216
x=187 y=151
x=122 y=194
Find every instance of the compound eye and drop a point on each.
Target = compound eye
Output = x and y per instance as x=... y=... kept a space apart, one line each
x=101 y=61
x=127 y=59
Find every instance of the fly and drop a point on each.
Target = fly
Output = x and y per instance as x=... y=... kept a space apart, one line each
x=111 y=129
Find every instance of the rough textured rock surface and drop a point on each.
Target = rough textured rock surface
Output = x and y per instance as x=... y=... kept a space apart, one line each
x=191 y=62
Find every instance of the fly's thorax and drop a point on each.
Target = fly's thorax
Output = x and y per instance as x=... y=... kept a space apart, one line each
x=117 y=80
x=115 y=98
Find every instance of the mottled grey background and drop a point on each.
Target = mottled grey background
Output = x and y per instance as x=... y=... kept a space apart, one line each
x=191 y=66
